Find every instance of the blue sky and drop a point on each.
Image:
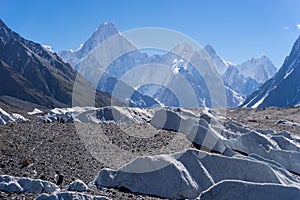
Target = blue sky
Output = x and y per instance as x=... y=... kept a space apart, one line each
x=238 y=29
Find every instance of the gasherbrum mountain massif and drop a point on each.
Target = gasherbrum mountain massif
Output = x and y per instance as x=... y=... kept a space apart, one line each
x=87 y=60
x=36 y=84
x=49 y=81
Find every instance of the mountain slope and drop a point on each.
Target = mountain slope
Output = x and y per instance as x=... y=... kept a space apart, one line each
x=242 y=79
x=95 y=66
x=93 y=58
x=239 y=83
x=31 y=73
x=103 y=32
x=90 y=60
x=283 y=89
x=260 y=69
x=221 y=65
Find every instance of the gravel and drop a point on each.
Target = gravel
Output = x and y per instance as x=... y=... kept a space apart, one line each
x=79 y=151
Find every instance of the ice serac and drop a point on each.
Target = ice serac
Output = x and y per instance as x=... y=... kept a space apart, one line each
x=236 y=190
x=35 y=112
x=199 y=129
x=151 y=175
x=192 y=172
x=268 y=146
x=18 y=184
x=69 y=195
x=78 y=186
x=283 y=89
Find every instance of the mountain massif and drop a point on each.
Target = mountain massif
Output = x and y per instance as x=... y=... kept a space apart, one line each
x=89 y=61
x=106 y=76
x=283 y=90
x=31 y=75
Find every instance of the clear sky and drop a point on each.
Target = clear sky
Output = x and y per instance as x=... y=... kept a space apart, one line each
x=238 y=29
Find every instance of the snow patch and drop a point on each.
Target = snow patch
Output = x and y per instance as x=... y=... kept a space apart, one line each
x=110 y=114
x=35 y=112
x=48 y=48
x=287 y=74
x=9 y=118
x=80 y=46
x=260 y=101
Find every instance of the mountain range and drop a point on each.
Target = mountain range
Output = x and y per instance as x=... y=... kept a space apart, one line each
x=88 y=60
x=243 y=78
x=33 y=76
x=283 y=89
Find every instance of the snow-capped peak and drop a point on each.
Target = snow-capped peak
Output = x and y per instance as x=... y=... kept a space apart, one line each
x=263 y=56
x=48 y=48
x=182 y=49
x=107 y=29
x=282 y=90
x=210 y=50
x=103 y=32
x=220 y=63
x=259 y=69
x=80 y=46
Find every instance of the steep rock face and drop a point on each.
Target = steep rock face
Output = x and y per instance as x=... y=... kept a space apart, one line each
x=104 y=65
x=221 y=65
x=243 y=79
x=246 y=77
x=236 y=81
x=32 y=73
x=103 y=32
x=283 y=89
x=260 y=69
x=91 y=60
x=136 y=69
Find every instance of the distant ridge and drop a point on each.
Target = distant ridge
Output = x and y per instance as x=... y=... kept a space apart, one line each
x=31 y=73
x=283 y=90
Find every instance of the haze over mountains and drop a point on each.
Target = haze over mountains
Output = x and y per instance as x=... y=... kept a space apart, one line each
x=282 y=90
x=37 y=75
x=87 y=60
